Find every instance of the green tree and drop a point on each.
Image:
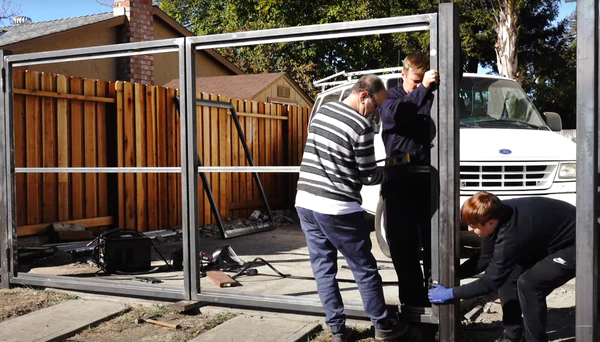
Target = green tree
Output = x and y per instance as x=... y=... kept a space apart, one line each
x=538 y=37
x=549 y=76
x=303 y=61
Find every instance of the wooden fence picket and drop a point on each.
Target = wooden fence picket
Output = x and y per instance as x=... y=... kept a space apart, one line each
x=62 y=121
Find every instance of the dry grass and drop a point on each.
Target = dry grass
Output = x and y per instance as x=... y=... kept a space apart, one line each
x=21 y=301
x=124 y=328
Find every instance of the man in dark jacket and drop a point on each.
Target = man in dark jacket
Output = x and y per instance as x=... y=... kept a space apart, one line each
x=407 y=134
x=530 y=245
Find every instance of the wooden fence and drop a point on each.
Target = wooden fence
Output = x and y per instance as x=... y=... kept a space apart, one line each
x=68 y=121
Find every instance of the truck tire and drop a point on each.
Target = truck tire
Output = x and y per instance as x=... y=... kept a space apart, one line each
x=380 y=227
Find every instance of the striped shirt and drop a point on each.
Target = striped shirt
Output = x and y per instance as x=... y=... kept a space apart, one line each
x=339 y=157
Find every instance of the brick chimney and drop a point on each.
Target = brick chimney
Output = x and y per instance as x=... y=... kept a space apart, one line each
x=138 y=28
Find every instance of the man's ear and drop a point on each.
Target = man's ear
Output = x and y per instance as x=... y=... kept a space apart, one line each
x=493 y=223
x=363 y=95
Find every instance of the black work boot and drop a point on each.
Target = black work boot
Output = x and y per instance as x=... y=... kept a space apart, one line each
x=504 y=338
x=343 y=336
x=397 y=329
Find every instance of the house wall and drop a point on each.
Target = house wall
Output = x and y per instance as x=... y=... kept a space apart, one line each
x=270 y=94
x=103 y=69
x=166 y=65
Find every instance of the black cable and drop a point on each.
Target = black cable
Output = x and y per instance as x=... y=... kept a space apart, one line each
x=248 y=265
x=289 y=276
x=169 y=266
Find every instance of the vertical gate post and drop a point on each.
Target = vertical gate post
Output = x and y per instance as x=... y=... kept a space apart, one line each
x=448 y=161
x=8 y=225
x=586 y=328
x=189 y=167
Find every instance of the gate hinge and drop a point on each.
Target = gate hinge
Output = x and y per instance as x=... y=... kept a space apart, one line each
x=3 y=80
x=8 y=263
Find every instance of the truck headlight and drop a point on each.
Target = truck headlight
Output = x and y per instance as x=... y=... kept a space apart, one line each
x=567 y=171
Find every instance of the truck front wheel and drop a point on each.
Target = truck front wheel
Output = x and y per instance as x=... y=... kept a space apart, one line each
x=380 y=227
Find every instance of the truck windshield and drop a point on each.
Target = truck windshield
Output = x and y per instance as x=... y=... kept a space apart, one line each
x=496 y=103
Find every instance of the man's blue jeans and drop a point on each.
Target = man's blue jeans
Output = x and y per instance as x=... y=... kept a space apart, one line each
x=349 y=234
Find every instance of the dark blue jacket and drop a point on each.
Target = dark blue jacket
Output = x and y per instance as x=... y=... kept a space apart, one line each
x=529 y=230
x=406 y=123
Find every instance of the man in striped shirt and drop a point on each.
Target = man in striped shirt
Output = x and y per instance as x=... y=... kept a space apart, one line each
x=339 y=158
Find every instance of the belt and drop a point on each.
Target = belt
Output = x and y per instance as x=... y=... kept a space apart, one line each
x=399 y=159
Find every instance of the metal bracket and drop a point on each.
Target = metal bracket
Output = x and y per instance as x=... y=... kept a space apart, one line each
x=7 y=253
x=240 y=231
x=3 y=81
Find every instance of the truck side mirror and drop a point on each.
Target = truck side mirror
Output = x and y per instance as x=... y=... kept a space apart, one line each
x=553 y=121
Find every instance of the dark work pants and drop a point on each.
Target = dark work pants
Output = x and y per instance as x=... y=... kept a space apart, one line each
x=408 y=211
x=349 y=234
x=525 y=292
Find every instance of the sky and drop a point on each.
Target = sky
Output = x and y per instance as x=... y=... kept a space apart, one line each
x=43 y=10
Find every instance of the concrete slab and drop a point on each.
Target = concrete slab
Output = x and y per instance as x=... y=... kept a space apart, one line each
x=58 y=322
x=285 y=249
x=258 y=328
x=358 y=324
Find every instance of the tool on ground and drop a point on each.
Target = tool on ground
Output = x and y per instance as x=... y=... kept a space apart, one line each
x=125 y=251
x=225 y=259
x=150 y=280
x=379 y=267
x=161 y=323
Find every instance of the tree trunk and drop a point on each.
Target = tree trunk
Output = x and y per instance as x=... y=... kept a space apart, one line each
x=507 y=33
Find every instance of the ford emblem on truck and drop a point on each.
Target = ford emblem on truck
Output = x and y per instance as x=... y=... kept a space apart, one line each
x=505 y=151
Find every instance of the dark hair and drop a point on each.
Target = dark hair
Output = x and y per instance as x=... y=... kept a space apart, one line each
x=480 y=208
x=369 y=83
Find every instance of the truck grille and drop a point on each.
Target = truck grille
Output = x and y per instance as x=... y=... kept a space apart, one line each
x=502 y=176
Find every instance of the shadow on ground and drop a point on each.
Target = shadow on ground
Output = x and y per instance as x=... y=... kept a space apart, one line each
x=561 y=328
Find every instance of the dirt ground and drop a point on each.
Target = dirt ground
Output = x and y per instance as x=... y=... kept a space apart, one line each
x=486 y=326
x=561 y=318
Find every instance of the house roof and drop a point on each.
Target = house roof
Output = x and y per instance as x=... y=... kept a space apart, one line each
x=19 y=33
x=243 y=87
x=156 y=11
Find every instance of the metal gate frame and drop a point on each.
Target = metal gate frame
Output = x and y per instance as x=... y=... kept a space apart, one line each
x=8 y=226
x=444 y=52
x=588 y=211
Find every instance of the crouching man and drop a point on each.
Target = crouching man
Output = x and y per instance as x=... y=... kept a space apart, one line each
x=531 y=247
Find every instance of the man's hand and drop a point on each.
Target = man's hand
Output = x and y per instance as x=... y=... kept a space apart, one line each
x=440 y=294
x=430 y=77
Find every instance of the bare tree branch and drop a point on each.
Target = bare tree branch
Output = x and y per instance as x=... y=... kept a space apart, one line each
x=8 y=10
x=105 y=3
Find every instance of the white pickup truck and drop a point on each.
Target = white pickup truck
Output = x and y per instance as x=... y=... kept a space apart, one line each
x=506 y=146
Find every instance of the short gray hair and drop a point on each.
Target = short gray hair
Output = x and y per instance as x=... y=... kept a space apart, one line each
x=369 y=83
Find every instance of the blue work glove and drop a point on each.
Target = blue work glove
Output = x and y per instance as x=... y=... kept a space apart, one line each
x=440 y=294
